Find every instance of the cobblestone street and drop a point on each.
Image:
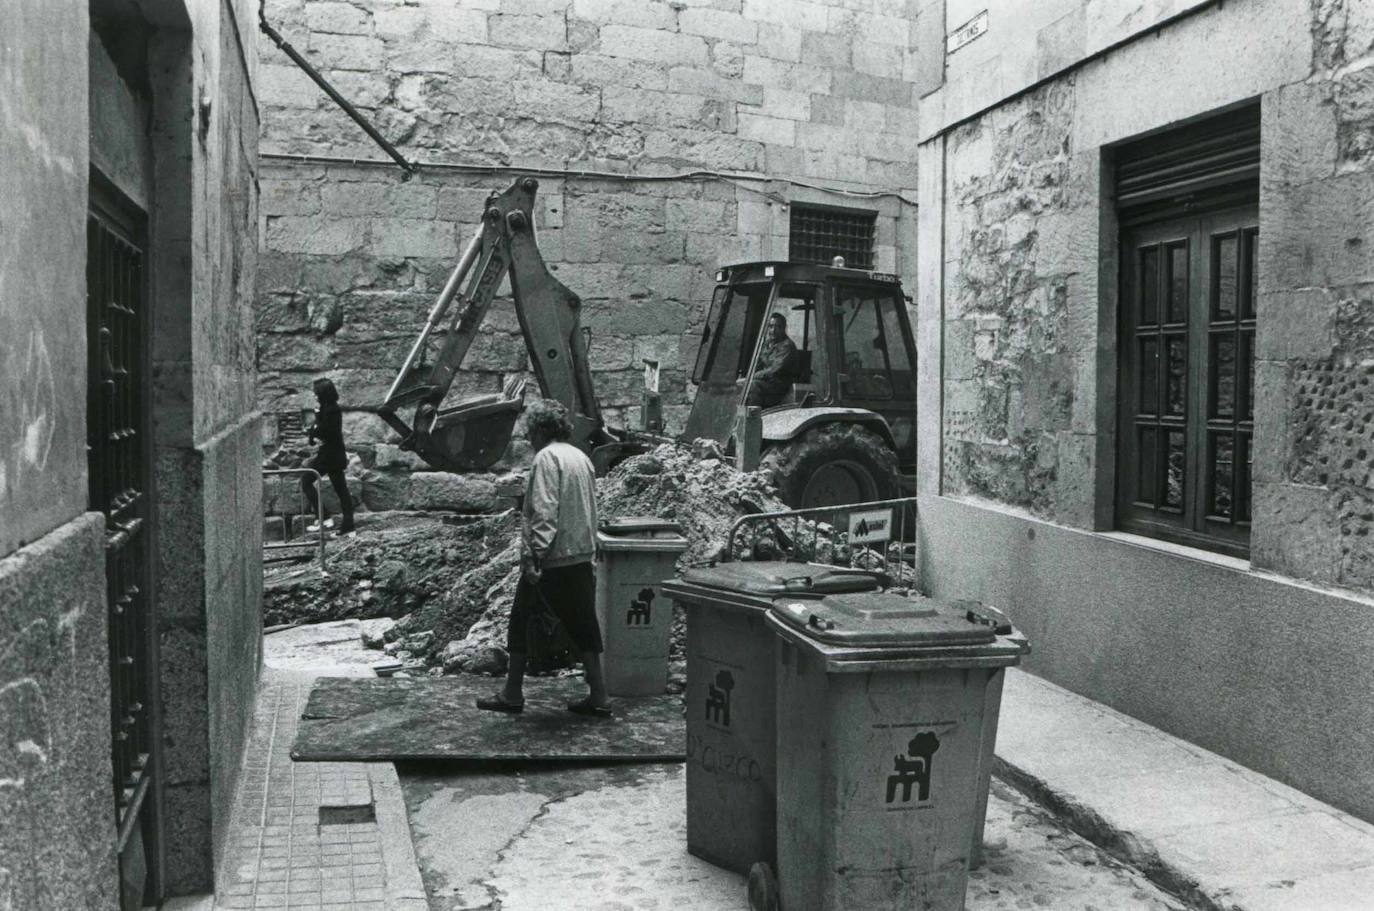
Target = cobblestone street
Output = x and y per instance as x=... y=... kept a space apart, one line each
x=613 y=839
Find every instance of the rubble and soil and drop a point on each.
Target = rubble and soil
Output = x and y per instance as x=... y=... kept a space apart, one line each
x=452 y=586
x=394 y=564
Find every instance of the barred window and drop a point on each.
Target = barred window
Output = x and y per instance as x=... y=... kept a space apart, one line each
x=820 y=234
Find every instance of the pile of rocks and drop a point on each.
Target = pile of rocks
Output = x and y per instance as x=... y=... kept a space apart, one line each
x=452 y=586
x=694 y=486
x=393 y=566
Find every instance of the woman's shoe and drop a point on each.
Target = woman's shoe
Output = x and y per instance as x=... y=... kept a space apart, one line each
x=589 y=708
x=498 y=703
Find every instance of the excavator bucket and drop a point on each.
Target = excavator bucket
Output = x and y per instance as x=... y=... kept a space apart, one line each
x=472 y=436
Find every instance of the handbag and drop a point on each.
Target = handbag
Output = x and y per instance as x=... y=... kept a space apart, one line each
x=546 y=639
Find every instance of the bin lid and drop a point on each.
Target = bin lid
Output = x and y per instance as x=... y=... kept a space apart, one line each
x=885 y=619
x=639 y=527
x=770 y=577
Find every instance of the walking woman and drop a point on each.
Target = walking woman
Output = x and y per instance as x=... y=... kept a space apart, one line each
x=331 y=459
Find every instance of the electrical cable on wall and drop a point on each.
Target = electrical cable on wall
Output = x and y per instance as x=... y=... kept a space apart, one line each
x=739 y=179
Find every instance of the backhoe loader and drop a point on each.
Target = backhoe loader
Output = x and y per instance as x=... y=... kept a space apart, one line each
x=844 y=432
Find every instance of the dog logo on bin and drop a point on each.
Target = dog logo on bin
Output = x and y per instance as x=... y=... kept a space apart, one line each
x=639 y=609
x=718 y=698
x=913 y=769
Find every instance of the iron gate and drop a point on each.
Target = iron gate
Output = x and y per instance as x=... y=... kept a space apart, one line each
x=118 y=456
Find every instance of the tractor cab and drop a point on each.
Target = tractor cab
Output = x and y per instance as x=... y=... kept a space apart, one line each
x=854 y=352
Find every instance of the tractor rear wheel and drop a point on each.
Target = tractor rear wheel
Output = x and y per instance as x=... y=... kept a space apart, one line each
x=832 y=465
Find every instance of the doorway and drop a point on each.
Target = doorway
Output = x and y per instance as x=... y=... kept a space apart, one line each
x=119 y=457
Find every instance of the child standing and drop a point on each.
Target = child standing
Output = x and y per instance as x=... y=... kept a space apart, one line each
x=331 y=459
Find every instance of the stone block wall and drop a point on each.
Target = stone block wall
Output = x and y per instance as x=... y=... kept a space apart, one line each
x=1018 y=386
x=57 y=843
x=208 y=430
x=1314 y=471
x=1016 y=192
x=1028 y=291
x=352 y=257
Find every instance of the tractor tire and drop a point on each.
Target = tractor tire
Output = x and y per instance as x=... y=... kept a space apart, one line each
x=832 y=465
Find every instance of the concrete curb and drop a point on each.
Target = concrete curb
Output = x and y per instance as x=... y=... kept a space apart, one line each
x=1127 y=847
x=405 y=890
x=1213 y=834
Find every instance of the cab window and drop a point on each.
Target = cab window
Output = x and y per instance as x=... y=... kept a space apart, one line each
x=797 y=302
x=732 y=320
x=874 y=361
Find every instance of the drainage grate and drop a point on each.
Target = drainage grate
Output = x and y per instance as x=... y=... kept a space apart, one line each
x=348 y=815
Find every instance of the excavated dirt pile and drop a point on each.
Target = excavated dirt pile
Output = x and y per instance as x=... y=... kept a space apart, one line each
x=693 y=486
x=452 y=585
x=395 y=564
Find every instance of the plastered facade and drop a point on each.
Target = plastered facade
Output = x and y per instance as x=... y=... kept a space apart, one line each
x=1019 y=318
x=159 y=100
x=352 y=257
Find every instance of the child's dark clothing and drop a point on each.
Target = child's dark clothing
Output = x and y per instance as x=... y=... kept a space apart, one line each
x=329 y=461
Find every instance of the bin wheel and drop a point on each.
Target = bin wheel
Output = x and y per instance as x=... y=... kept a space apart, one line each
x=763 y=888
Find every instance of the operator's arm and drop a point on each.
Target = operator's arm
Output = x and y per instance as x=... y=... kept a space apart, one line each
x=541 y=509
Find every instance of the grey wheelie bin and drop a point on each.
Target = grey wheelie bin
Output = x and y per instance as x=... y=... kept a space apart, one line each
x=637 y=553
x=731 y=710
x=883 y=747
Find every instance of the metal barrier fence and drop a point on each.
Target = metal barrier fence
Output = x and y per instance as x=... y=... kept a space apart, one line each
x=861 y=535
x=289 y=516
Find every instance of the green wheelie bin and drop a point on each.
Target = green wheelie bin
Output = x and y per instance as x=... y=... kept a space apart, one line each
x=886 y=710
x=636 y=554
x=731 y=711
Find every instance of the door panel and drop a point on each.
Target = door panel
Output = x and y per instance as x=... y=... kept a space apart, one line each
x=1186 y=355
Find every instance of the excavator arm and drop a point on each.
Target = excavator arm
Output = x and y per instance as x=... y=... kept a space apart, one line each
x=474 y=434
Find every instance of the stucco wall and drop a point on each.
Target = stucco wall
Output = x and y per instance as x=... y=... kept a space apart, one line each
x=43 y=112
x=180 y=139
x=352 y=257
x=57 y=839
x=1267 y=671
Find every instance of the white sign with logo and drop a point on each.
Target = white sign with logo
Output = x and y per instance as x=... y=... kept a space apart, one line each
x=871 y=527
x=976 y=27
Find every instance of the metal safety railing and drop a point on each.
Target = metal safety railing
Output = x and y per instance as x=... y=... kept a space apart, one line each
x=879 y=536
x=272 y=508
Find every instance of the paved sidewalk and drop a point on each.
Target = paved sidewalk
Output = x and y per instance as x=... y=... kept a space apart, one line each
x=1204 y=828
x=1220 y=836
x=325 y=836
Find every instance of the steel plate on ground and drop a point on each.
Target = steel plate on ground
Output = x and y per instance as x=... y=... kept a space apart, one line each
x=394 y=718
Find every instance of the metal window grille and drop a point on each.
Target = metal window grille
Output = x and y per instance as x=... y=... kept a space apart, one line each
x=819 y=235
x=117 y=428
